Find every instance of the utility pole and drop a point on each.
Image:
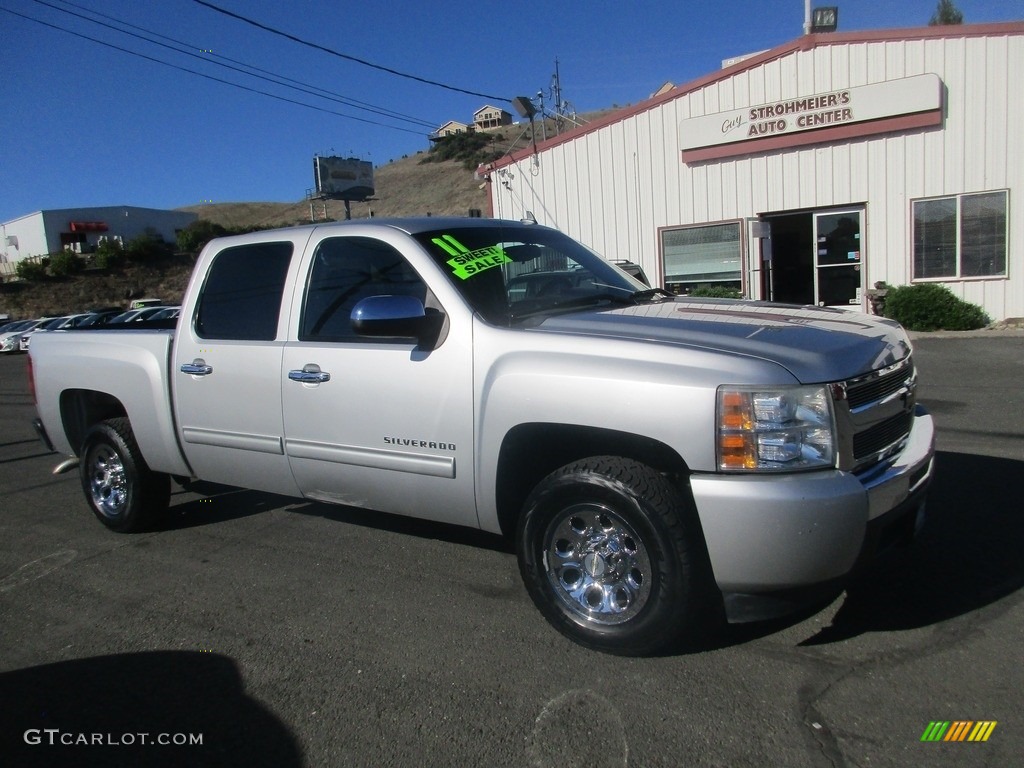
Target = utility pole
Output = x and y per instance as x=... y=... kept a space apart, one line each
x=556 y=89
x=543 y=117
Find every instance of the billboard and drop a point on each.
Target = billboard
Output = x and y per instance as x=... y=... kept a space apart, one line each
x=343 y=178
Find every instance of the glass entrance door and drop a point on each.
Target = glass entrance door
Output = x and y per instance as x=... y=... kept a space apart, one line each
x=838 y=259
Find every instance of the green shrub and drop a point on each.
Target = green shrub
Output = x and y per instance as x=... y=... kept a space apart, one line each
x=715 y=292
x=66 y=263
x=30 y=270
x=197 y=234
x=146 y=247
x=471 y=148
x=109 y=254
x=932 y=307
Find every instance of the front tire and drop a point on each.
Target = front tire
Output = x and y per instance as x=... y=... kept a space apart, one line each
x=122 y=491
x=613 y=556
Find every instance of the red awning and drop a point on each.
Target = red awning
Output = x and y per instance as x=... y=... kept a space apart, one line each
x=88 y=226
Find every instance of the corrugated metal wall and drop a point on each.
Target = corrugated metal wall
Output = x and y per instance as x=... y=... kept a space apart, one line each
x=613 y=188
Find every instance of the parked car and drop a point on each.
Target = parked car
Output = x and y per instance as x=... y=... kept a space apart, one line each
x=633 y=270
x=10 y=334
x=142 y=303
x=167 y=313
x=12 y=326
x=74 y=321
x=98 y=317
x=135 y=315
x=54 y=324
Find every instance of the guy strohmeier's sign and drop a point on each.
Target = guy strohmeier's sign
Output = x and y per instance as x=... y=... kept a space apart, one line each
x=846 y=106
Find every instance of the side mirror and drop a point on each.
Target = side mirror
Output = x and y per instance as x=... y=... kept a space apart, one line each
x=397 y=317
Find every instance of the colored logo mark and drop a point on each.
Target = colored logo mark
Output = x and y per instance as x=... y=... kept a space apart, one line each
x=958 y=730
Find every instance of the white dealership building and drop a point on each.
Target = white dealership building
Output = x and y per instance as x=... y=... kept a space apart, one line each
x=81 y=229
x=808 y=173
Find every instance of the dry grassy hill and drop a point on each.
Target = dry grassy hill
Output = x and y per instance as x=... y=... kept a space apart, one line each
x=406 y=187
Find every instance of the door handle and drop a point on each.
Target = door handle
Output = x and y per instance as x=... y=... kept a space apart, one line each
x=310 y=374
x=197 y=367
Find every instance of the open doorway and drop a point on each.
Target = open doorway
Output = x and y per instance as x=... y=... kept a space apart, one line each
x=791 y=272
x=816 y=258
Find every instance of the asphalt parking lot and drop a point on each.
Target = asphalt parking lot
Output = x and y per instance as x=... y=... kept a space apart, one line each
x=260 y=630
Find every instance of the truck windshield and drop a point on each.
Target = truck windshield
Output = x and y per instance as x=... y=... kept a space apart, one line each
x=511 y=274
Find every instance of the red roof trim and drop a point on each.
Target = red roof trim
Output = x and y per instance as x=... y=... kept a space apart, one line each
x=838 y=133
x=803 y=43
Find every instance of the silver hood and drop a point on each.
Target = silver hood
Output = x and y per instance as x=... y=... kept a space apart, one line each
x=815 y=345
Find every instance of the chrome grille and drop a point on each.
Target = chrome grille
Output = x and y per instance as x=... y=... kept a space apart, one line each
x=879 y=437
x=877 y=386
x=874 y=414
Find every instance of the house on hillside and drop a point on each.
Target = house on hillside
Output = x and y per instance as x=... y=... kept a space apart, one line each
x=491 y=117
x=451 y=128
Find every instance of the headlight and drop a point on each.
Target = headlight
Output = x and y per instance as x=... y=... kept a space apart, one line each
x=775 y=429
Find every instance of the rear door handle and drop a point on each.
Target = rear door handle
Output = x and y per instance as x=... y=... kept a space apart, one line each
x=197 y=367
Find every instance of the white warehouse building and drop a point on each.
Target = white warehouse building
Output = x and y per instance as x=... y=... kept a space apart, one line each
x=81 y=229
x=808 y=173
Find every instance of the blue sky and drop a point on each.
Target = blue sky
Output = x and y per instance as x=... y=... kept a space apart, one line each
x=86 y=124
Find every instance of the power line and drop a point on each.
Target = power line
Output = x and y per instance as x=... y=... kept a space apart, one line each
x=340 y=55
x=189 y=50
x=206 y=76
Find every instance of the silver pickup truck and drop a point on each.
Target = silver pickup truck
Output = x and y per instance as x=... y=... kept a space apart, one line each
x=662 y=463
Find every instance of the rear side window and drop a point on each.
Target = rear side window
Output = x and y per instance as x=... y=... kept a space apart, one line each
x=241 y=298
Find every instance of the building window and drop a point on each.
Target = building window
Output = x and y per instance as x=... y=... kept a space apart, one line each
x=960 y=237
x=707 y=255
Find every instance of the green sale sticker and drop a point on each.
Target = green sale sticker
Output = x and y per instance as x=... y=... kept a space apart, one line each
x=466 y=263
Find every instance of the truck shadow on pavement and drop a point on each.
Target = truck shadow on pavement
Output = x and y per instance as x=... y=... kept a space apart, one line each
x=967 y=556
x=94 y=711
x=217 y=504
x=221 y=503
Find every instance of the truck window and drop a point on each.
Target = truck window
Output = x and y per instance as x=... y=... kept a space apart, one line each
x=241 y=298
x=509 y=274
x=344 y=271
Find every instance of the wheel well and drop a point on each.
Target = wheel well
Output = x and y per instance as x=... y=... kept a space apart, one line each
x=80 y=409
x=530 y=452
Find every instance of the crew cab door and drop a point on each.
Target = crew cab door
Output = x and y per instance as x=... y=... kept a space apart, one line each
x=385 y=424
x=226 y=373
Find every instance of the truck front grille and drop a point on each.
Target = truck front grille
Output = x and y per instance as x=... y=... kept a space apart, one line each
x=874 y=414
x=879 y=437
x=869 y=389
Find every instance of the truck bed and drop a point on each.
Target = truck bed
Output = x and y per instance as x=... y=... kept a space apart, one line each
x=128 y=368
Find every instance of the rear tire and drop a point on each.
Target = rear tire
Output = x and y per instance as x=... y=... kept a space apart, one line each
x=122 y=491
x=612 y=554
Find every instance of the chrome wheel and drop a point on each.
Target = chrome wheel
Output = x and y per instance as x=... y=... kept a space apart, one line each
x=123 y=492
x=597 y=565
x=108 y=484
x=610 y=550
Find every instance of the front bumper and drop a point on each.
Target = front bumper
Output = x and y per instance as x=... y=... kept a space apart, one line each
x=788 y=534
